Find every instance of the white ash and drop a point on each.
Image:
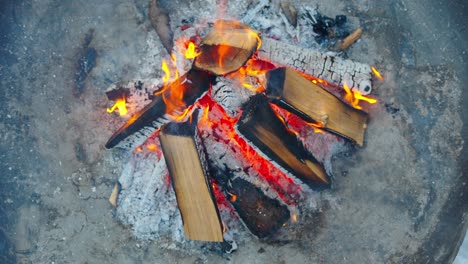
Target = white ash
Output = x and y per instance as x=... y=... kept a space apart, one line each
x=332 y=69
x=230 y=94
x=146 y=202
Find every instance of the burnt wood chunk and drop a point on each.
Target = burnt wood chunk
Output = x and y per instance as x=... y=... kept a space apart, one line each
x=262 y=215
x=195 y=198
x=261 y=126
x=291 y=91
x=192 y=85
x=227 y=47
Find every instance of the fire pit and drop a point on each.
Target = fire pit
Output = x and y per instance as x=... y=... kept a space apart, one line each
x=242 y=126
x=400 y=198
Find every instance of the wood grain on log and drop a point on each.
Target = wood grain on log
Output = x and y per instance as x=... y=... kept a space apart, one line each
x=226 y=48
x=290 y=90
x=332 y=69
x=260 y=125
x=195 y=198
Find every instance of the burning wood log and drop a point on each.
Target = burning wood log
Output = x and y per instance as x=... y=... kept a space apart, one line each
x=266 y=131
x=195 y=198
x=227 y=47
x=295 y=93
x=188 y=88
x=329 y=68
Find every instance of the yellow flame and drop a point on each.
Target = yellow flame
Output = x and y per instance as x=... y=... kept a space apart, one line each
x=167 y=73
x=120 y=105
x=190 y=53
x=354 y=97
x=377 y=73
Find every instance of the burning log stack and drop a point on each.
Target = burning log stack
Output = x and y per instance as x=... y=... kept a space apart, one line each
x=230 y=124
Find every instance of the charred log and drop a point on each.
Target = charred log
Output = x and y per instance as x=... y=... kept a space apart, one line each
x=261 y=214
x=329 y=68
x=192 y=85
x=295 y=93
x=268 y=133
x=195 y=198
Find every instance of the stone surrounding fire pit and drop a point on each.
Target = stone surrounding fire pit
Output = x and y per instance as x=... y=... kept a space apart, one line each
x=399 y=199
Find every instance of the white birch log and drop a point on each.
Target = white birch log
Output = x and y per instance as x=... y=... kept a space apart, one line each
x=329 y=68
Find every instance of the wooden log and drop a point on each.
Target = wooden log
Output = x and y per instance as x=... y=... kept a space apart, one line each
x=263 y=128
x=329 y=68
x=261 y=214
x=227 y=47
x=195 y=198
x=159 y=18
x=348 y=41
x=293 y=92
x=193 y=85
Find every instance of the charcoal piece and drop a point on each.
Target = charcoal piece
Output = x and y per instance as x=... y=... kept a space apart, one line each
x=262 y=215
x=340 y=20
x=119 y=93
x=193 y=85
x=187 y=166
x=264 y=129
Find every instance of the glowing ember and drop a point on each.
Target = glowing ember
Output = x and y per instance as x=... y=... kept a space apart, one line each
x=354 y=97
x=120 y=105
x=377 y=73
x=190 y=53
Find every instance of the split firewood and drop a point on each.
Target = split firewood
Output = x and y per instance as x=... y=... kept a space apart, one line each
x=348 y=41
x=159 y=18
x=195 y=198
x=311 y=62
x=191 y=86
x=295 y=93
x=227 y=47
x=262 y=127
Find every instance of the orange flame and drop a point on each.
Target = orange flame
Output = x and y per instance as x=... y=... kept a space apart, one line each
x=377 y=73
x=354 y=97
x=120 y=105
x=190 y=53
x=152 y=147
x=233 y=198
x=294 y=218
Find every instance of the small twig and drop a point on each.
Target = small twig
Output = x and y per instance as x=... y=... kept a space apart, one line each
x=348 y=41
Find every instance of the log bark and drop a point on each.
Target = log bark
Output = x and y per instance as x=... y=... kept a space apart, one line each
x=291 y=91
x=329 y=68
x=193 y=85
x=226 y=48
x=190 y=181
x=261 y=126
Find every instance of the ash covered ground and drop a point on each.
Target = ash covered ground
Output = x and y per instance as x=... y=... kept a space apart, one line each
x=388 y=202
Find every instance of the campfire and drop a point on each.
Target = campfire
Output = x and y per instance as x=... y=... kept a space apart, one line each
x=243 y=124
